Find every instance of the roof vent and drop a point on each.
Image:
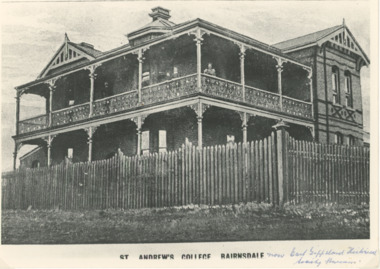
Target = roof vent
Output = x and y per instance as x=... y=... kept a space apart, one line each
x=160 y=12
x=87 y=45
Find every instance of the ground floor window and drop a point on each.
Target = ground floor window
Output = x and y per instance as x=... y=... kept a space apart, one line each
x=70 y=153
x=351 y=140
x=145 y=142
x=35 y=164
x=162 y=146
x=339 y=138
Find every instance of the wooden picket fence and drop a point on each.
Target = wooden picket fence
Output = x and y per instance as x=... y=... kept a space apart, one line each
x=269 y=170
x=327 y=173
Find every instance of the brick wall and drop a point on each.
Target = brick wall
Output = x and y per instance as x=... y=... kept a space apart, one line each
x=340 y=118
x=39 y=154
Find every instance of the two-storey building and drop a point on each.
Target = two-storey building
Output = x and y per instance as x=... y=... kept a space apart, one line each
x=191 y=82
x=336 y=58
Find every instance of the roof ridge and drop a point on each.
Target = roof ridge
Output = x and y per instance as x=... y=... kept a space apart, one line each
x=93 y=48
x=313 y=33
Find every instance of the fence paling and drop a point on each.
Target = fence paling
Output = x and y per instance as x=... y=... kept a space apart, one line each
x=221 y=174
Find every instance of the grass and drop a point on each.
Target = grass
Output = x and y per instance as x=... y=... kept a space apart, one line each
x=245 y=222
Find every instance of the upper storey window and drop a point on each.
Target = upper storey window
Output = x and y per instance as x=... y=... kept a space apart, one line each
x=335 y=85
x=348 y=88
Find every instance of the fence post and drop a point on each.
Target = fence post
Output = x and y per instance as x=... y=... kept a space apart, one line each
x=282 y=169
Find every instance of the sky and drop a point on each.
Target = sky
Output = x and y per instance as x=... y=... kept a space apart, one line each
x=31 y=33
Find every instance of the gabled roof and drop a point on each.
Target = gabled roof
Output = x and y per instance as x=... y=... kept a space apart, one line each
x=339 y=35
x=36 y=149
x=306 y=39
x=176 y=30
x=87 y=48
x=68 y=53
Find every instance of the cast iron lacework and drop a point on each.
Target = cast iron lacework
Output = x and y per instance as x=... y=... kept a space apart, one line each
x=221 y=88
x=169 y=90
x=115 y=104
x=262 y=99
x=296 y=108
x=69 y=115
x=33 y=124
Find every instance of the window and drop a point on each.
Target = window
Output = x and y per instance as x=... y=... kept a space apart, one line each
x=145 y=78
x=70 y=153
x=335 y=85
x=70 y=97
x=145 y=142
x=339 y=138
x=175 y=71
x=348 y=88
x=35 y=164
x=351 y=140
x=162 y=141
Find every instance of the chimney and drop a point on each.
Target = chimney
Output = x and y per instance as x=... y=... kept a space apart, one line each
x=160 y=12
x=87 y=45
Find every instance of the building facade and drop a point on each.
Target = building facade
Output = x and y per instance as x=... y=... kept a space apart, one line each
x=194 y=82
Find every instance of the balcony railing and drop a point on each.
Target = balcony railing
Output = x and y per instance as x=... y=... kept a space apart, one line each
x=116 y=103
x=222 y=88
x=171 y=90
x=70 y=114
x=297 y=107
x=33 y=124
x=218 y=87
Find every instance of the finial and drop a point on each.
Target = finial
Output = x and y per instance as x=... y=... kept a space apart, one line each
x=344 y=22
x=66 y=38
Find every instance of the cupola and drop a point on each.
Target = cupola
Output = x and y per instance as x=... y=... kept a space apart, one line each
x=159 y=25
x=160 y=13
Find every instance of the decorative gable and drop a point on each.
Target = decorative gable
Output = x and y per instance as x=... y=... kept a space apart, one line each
x=68 y=53
x=344 y=40
x=338 y=37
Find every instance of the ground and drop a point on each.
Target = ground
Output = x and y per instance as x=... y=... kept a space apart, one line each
x=245 y=222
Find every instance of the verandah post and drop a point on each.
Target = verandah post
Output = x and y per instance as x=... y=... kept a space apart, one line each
x=198 y=40
x=282 y=169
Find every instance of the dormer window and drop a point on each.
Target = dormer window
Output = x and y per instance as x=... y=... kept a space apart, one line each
x=335 y=85
x=348 y=88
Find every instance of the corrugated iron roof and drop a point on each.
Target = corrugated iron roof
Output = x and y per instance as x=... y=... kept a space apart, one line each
x=306 y=39
x=91 y=51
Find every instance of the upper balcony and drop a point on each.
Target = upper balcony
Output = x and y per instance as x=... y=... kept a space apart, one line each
x=174 y=69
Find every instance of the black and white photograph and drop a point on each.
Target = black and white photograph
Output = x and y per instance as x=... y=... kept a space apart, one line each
x=126 y=124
